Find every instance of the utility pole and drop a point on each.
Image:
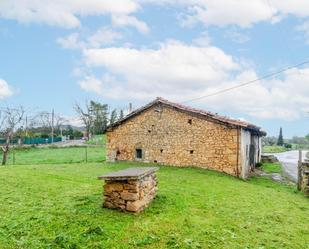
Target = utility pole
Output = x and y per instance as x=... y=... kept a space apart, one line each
x=53 y=117
x=299 y=169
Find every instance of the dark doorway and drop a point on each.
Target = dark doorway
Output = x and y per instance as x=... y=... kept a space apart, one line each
x=252 y=155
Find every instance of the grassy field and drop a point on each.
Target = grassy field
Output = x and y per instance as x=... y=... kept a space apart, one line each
x=97 y=140
x=55 y=155
x=274 y=149
x=272 y=168
x=59 y=206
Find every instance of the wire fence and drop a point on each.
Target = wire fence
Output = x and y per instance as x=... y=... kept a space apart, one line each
x=55 y=155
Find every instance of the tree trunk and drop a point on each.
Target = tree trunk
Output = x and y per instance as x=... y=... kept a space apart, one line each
x=5 y=150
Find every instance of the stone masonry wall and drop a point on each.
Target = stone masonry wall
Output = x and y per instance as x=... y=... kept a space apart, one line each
x=170 y=137
x=305 y=178
x=130 y=195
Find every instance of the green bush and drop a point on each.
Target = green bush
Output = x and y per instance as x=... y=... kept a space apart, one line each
x=258 y=165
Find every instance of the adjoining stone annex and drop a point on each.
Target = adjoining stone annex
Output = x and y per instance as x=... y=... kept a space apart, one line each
x=130 y=189
x=167 y=133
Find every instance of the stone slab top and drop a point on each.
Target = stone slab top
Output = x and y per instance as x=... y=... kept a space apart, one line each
x=129 y=174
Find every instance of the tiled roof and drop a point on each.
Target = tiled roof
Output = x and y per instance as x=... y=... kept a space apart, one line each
x=207 y=114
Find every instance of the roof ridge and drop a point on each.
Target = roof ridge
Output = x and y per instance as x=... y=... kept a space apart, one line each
x=215 y=116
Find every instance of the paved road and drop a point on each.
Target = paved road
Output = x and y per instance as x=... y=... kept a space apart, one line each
x=68 y=143
x=289 y=161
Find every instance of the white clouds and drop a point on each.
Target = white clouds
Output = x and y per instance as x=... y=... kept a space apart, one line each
x=126 y=20
x=236 y=36
x=203 y=40
x=242 y=13
x=173 y=63
x=5 y=90
x=63 y=13
x=71 y=41
x=304 y=28
x=221 y=13
x=102 y=37
x=179 y=72
x=67 y=13
x=91 y=84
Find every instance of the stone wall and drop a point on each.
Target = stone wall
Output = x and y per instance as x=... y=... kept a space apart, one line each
x=305 y=178
x=171 y=137
x=130 y=195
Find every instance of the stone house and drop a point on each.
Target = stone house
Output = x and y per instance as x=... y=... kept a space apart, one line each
x=172 y=134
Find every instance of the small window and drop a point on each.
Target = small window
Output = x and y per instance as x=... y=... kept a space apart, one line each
x=155 y=161
x=191 y=151
x=149 y=131
x=190 y=121
x=138 y=153
x=161 y=150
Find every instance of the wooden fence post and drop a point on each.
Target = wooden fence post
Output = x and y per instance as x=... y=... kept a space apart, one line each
x=299 y=168
x=13 y=156
x=86 y=154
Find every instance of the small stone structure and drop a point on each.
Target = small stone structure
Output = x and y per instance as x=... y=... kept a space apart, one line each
x=304 y=182
x=131 y=189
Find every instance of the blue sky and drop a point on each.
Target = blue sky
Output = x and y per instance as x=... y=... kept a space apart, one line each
x=56 y=53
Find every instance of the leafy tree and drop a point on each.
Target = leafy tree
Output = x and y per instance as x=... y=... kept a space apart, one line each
x=69 y=131
x=288 y=146
x=121 y=115
x=99 y=113
x=269 y=141
x=280 y=141
x=77 y=134
x=94 y=116
x=113 y=117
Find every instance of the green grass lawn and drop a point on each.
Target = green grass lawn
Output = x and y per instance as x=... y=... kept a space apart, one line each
x=274 y=149
x=97 y=140
x=59 y=206
x=56 y=155
x=272 y=167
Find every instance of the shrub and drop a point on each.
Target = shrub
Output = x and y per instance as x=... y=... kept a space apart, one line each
x=258 y=165
x=288 y=146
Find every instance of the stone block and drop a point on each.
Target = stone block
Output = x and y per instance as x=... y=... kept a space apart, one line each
x=135 y=206
x=115 y=186
x=129 y=196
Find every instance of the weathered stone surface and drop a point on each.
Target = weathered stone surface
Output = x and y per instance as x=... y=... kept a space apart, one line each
x=131 y=187
x=135 y=206
x=113 y=187
x=110 y=205
x=172 y=140
x=305 y=178
x=129 y=196
x=129 y=174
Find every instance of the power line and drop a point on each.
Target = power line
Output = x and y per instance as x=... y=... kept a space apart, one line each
x=248 y=82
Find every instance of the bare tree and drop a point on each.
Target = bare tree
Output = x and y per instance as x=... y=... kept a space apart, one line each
x=10 y=119
x=94 y=116
x=85 y=116
x=49 y=121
